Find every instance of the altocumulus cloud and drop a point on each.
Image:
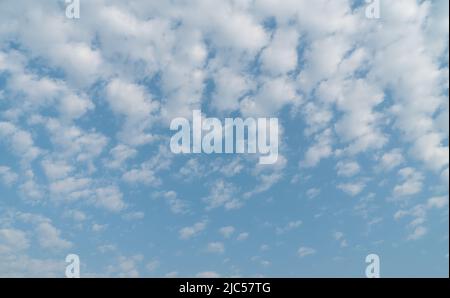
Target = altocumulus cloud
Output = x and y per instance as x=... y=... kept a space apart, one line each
x=85 y=108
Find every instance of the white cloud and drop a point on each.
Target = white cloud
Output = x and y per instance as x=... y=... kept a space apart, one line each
x=109 y=198
x=30 y=189
x=347 y=169
x=232 y=168
x=76 y=215
x=418 y=233
x=137 y=215
x=445 y=177
x=26 y=266
x=437 y=202
x=126 y=266
x=353 y=188
x=264 y=247
x=73 y=106
x=312 y=193
x=339 y=236
x=412 y=182
x=171 y=274
x=142 y=175
x=207 y=274
x=192 y=169
x=360 y=125
x=227 y=231
x=119 y=155
x=72 y=141
x=280 y=56
x=268 y=176
x=106 y=248
x=49 y=237
x=216 y=247
x=316 y=116
x=13 y=240
x=429 y=149
x=20 y=141
x=320 y=150
x=271 y=97
x=56 y=169
x=133 y=102
x=176 y=205
x=192 y=231
x=223 y=194
x=7 y=176
x=391 y=159
x=242 y=236
x=418 y=214
x=304 y=251
x=15 y=244
x=70 y=189
x=229 y=88
x=42 y=91
x=352 y=85
x=99 y=227
x=289 y=226
x=419 y=96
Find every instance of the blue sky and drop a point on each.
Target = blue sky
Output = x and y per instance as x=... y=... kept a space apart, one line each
x=86 y=167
